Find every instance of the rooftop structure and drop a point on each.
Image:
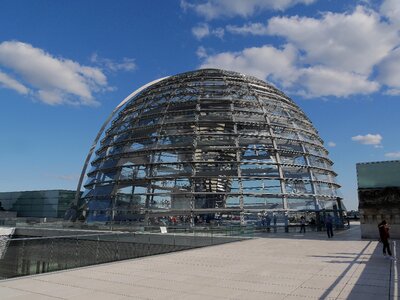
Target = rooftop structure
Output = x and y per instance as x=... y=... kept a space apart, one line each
x=379 y=196
x=36 y=204
x=205 y=145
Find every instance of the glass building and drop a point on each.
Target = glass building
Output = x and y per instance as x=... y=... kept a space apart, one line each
x=37 y=204
x=379 y=196
x=207 y=145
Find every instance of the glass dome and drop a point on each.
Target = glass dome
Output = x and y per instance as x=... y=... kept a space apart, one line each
x=206 y=145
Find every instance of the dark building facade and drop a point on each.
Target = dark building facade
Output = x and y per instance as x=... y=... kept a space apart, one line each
x=37 y=204
x=206 y=145
x=379 y=196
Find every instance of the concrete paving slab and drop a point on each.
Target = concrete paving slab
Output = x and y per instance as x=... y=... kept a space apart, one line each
x=9 y=292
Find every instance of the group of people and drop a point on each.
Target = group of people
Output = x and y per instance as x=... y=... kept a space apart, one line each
x=328 y=225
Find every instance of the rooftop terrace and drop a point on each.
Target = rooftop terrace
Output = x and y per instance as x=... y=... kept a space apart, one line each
x=271 y=266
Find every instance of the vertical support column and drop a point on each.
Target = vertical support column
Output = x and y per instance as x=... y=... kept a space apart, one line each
x=275 y=146
x=193 y=164
x=312 y=178
x=238 y=160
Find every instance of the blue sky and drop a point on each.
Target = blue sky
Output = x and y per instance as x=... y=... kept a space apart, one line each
x=64 y=65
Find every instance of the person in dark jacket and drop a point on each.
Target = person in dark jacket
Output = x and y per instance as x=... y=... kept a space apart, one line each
x=302 y=224
x=329 y=225
x=384 y=237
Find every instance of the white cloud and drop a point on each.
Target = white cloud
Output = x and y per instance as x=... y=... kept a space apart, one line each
x=368 y=139
x=203 y=30
x=127 y=64
x=279 y=65
x=262 y=62
x=218 y=32
x=212 y=9
x=338 y=54
x=250 y=28
x=201 y=52
x=393 y=154
x=331 y=144
x=52 y=80
x=389 y=70
x=350 y=42
x=391 y=10
x=320 y=81
x=393 y=92
x=9 y=82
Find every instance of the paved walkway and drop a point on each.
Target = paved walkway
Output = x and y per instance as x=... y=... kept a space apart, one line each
x=273 y=266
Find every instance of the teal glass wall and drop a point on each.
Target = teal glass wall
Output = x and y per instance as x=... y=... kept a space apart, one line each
x=40 y=204
x=378 y=174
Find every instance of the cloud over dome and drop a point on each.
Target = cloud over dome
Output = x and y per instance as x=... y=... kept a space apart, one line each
x=213 y=9
x=368 y=139
x=335 y=54
x=49 y=79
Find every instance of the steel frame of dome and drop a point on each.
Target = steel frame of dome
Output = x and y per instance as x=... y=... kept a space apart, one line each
x=207 y=142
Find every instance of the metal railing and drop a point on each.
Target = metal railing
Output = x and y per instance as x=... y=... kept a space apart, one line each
x=34 y=255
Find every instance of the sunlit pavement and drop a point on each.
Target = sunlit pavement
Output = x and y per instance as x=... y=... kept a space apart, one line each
x=271 y=266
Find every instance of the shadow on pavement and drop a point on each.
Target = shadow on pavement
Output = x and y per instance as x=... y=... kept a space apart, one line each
x=368 y=275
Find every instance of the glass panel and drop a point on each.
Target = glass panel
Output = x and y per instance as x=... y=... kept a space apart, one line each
x=322 y=176
x=126 y=173
x=318 y=162
x=172 y=169
x=257 y=154
x=296 y=173
x=103 y=190
x=216 y=116
x=177 y=129
x=315 y=150
x=216 y=140
x=259 y=170
x=293 y=159
x=253 y=129
x=139 y=171
x=378 y=175
x=327 y=204
x=137 y=189
x=301 y=203
x=176 y=141
x=99 y=211
x=162 y=201
x=211 y=200
x=298 y=187
x=289 y=145
x=232 y=201
x=173 y=186
x=325 y=189
x=124 y=193
x=257 y=185
x=211 y=169
x=246 y=141
x=262 y=202
x=215 y=105
x=284 y=132
x=216 y=128
x=241 y=116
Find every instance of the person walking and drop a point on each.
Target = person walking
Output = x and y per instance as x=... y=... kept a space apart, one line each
x=268 y=221
x=384 y=237
x=302 y=224
x=286 y=220
x=329 y=225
